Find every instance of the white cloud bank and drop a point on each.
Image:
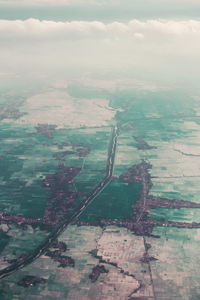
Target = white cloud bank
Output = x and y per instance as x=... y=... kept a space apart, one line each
x=139 y=29
x=167 y=50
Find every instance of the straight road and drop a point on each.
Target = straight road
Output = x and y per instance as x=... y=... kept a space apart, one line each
x=20 y=263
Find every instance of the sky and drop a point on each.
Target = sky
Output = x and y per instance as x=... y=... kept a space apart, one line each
x=150 y=40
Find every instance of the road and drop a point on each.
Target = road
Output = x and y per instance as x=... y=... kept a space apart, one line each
x=20 y=263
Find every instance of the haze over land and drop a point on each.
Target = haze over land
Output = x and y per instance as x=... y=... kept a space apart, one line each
x=100 y=153
x=44 y=39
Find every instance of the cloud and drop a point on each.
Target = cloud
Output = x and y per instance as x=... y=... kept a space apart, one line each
x=136 y=28
x=150 y=49
x=139 y=35
x=36 y=28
